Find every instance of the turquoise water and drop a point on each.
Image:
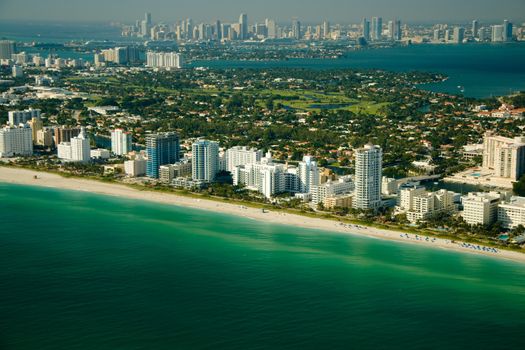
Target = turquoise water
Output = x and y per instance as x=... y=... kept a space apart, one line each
x=483 y=70
x=82 y=271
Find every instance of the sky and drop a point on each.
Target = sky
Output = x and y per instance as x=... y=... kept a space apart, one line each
x=341 y=11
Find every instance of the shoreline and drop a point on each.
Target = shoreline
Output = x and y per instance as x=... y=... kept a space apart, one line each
x=21 y=176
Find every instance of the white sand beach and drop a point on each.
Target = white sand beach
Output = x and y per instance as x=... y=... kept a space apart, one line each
x=26 y=177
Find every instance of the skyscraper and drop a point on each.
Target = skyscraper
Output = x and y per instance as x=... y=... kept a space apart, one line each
x=459 y=35
x=507 y=31
x=475 y=28
x=308 y=174
x=368 y=172
x=326 y=29
x=296 y=29
x=391 y=30
x=162 y=149
x=243 y=25
x=120 y=142
x=398 y=34
x=218 y=30
x=366 y=29
x=7 y=48
x=80 y=149
x=271 y=28
x=377 y=28
x=205 y=160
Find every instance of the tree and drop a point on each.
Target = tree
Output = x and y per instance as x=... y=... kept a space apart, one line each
x=519 y=187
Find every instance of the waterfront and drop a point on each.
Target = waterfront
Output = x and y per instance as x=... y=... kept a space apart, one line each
x=477 y=68
x=117 y=273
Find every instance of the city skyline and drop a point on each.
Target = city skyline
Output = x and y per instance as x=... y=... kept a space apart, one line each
x=334 y=10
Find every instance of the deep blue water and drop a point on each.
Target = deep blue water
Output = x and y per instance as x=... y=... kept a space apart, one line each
x=482 y=69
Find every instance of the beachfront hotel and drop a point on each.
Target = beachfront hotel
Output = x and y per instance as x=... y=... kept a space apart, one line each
x=481 y=208
x=161 y=149
x=240 y=155
x=511 y=214
x=120 y=142
x=504 y=156
x=368 y=177
x=16 y=141
x=77 y=150
x=205 y=160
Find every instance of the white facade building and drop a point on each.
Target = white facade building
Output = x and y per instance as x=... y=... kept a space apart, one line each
x=420 y=205
x=164 y=60
x=22 y=117
x=236 y=156
x=136 y=167
x=504 y=156
x=265 y=176
x=480 y=208
x=511 y=214
x=78 y=150
x=368 y=177
x=344 y=185
x=120 y=142
x=16 y=141
x=308 y=174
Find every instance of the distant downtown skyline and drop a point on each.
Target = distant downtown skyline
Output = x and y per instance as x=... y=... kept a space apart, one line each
x=343 y=11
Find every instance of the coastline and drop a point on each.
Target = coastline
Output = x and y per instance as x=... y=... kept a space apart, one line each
x=26 y=177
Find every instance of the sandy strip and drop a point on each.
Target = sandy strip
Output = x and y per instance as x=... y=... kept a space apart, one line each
x=26 y=177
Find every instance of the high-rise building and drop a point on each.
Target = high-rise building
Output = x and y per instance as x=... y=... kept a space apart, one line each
x=265 y=176
x=17 y=71
x=204 y=160
x=511 y=213
x=16 y=141
x=296 y=29
x=120 y=142
x=308 y=174
x=504 y=156
x=65 y=134
x=368 y=176
x=271 y=28
x=507 y=31
x=161 y=149
x=459 y=35
x=7 y=49
x=377 y=28
x=22 y=117
x=498 y=33
x=398 y=33
x=391 y=31
x=243 y=26
x=36 y=125
x=366 y=29
x=475 y=28
x=80 y=148
x=165 y=60
x=437 y=35
x=480 y=208
x=136 y=167
x=238 y=155
x=326 y=30
x=218 y=30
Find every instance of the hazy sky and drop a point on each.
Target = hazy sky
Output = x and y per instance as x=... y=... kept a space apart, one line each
x=282 y=10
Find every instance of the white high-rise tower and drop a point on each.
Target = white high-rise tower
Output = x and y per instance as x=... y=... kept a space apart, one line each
x=368 y=175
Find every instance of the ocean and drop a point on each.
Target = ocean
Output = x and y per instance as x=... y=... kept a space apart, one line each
x=83 y=271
